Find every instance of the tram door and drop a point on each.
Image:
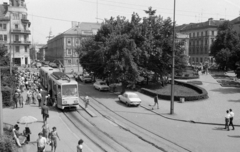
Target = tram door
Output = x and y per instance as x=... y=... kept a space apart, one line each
x=59 y=96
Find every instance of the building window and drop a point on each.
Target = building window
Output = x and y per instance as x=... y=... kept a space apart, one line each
x=206 y=33
x=69 y=61
x=16 y=37
x=77 y=41
x=16 y=26
x=69 y=41
x=4 y=26
x=16 y=16
x=212 y=33
x=190 y=34
x=5 y=37
x=17 y=49
x=201 y=60
x=1 y=37
x=26 y=49
x=193 y=34
x=25 y=27
x=201 y=33
x=197 y=34
x=24 y=16
x=69 y=52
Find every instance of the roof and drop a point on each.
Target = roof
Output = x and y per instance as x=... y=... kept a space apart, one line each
x=84 y=26
x=202 y=25
x=236 y=20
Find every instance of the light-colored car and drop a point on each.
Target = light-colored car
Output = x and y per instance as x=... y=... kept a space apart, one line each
x=85 y=78
x=101 y=86
x=130 y=98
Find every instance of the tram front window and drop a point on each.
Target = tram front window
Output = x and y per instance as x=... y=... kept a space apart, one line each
x=69 y=91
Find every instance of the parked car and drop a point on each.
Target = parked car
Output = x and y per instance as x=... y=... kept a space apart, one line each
x=101 y=86
x=85 y=78
x=38 y=64
x=130 y=98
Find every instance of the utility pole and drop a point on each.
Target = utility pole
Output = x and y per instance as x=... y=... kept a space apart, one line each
x=173 y=63
x=10 y=44
x=1 y=112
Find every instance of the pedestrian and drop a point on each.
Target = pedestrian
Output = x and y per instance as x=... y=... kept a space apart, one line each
x=80 y=146
x=39 y=98
x=16 y=135
x=45 y=113
x=41 y=143
x=86 y=101
x=45 y=130
x=231 y=118
x=21 y=100
x=155 y=101
x=53 y=136
x=16 y=99
x=227 y=117
x=27 y=133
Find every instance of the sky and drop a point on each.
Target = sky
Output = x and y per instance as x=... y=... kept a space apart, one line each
x=56 y=15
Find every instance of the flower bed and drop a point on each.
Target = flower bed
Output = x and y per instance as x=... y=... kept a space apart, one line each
x=195 y=82
x=201 y=93
x=228 y=83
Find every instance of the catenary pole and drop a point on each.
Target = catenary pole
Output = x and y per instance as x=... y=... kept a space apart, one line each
x=1 y=112
x=173 y=62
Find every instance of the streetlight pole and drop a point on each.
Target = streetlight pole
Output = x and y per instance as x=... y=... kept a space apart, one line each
x=1 y=112
x=173 y=63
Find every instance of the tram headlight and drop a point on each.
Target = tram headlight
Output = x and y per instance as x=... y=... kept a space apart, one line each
x=64 y=102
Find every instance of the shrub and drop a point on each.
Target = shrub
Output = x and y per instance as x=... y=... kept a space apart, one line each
x=202 y=93
x=7 y=144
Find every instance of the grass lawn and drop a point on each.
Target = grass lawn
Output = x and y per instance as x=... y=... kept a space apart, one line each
x=178 y=90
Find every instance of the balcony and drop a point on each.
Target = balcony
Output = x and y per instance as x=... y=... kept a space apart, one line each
x=21 y=42
x=19 y=31
x=25 y=21
x=17 y=42
x=4 y=19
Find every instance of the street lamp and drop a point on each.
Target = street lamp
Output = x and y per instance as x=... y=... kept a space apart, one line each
x=173 y=63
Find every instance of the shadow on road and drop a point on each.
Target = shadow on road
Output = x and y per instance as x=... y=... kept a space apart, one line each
x=227 y=90
x=219 y=128
x=234 y=136
x=234 y=100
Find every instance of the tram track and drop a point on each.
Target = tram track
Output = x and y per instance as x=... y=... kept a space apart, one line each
x=130 y=131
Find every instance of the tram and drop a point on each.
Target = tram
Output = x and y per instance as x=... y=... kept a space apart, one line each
x=44 y=73
x=62 y=87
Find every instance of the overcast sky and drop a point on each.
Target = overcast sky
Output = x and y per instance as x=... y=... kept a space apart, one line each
x=58 y=14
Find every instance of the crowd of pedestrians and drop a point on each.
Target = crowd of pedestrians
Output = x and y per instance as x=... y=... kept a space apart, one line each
x=29 y=83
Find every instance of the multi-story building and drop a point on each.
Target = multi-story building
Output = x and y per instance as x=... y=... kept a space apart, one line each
x=34 y=49
x=236 y=24
x=201 y=37
x=61 y=48
x=41 y=53
x=14 y=30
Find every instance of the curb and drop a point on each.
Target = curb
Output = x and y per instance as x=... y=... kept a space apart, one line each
x=189 y=121
x=81 y=104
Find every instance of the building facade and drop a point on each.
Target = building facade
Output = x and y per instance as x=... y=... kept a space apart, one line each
x=201 y=37
x=41 y=53
x=34 y=49
x=14 y=31
x=61 y=48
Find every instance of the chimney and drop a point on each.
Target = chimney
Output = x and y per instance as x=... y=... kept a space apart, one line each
x=75 y=24
x=210 y=19
x=222 y=19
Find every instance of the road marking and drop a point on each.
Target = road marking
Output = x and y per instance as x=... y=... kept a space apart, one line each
x=75 y=135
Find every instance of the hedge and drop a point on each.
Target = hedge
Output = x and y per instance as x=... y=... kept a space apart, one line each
x=202 y=93
x=186 y=77
x=7 y=144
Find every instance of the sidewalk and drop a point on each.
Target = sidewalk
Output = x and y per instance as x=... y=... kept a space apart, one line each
x=68 y=140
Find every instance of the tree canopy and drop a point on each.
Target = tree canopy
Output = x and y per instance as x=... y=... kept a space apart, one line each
x=127 y=51
x=226 y=48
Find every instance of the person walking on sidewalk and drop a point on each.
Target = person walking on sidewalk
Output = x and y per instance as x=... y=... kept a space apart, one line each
x=16 y=99
x=231 y=118
x=227 y=117
x=53 y=136
x=45 y=113
x=80 y=146
x=21 y=100
x=45 y=130
x=39 y=98
x=41 y=143
x=155 y=102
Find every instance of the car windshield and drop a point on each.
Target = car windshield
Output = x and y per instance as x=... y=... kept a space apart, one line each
x=102 y=83
x=132 y=96
x=69 y=90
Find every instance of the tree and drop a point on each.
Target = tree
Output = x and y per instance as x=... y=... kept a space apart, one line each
x=127 y=51
x=225 y=49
